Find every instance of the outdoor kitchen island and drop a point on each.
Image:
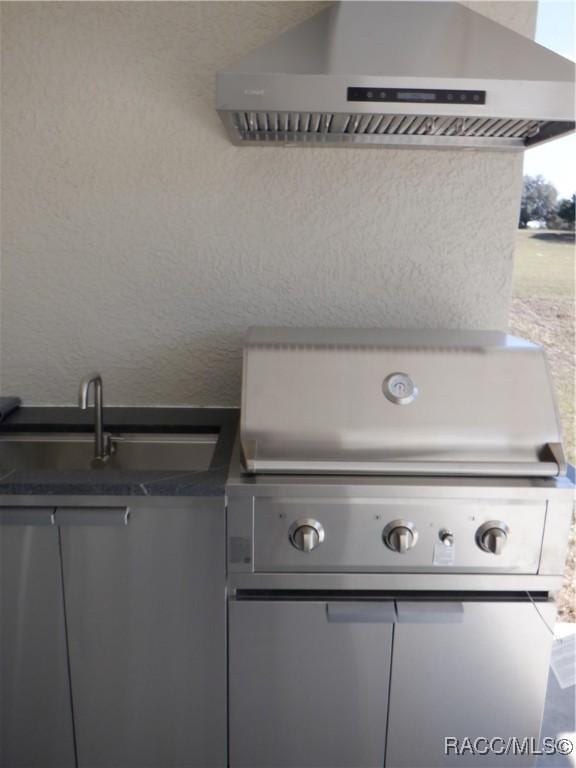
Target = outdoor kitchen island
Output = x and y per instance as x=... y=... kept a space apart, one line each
x=331 y=620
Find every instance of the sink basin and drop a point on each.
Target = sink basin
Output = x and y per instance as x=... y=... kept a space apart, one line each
x=131 y=452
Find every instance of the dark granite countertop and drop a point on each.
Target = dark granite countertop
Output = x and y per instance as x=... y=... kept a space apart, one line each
x=210 y=482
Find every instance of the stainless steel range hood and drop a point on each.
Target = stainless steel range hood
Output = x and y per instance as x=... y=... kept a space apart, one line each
x=398 y=74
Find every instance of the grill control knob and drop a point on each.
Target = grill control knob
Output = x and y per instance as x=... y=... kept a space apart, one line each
x=306 y=534
x=400 y=536
x=492 y=537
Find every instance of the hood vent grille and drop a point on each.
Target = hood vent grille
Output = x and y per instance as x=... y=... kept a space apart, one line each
x=329 y=127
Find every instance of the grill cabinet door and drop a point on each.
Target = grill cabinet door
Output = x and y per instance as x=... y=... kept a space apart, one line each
x=35 y=709
x=483 y=675
x=309 y=683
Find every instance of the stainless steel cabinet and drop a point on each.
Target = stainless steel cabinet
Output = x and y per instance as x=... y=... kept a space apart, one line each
x=308 y=683
x=35 y=712
x=482 y=675
x=145 y=601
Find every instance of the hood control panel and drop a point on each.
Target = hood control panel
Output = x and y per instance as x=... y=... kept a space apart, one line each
x=416 y=95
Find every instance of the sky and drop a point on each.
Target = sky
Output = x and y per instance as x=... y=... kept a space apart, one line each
x=556 y=160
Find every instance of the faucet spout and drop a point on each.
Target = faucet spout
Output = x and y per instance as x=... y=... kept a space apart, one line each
x=101 y=450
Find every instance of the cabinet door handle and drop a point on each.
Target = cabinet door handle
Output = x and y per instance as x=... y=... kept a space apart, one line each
x=94 y=516
x=422 y=612
x=361 y=612
x=26 y=516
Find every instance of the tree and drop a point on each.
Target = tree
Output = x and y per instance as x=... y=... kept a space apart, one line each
x=538 y=200
x=566 y=210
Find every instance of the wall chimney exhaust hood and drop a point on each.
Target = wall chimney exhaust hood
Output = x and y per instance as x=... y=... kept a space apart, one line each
x=398 y=74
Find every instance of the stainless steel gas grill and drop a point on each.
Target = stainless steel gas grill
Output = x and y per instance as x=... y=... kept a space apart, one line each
x=397 y=521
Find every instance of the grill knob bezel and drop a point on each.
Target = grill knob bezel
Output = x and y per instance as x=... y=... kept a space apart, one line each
x=299 y=538
x=492 y=537
x=393 y=533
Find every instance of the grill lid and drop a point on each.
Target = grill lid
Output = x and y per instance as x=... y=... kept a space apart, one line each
x=398 y=74
x=397 y=402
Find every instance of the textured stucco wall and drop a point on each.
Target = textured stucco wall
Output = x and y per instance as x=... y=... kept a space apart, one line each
x=137 y=241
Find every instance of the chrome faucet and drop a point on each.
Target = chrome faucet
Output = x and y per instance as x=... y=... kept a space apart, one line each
x=101 y=440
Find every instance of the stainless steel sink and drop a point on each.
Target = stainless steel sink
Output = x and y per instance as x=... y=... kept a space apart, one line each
x=146 y=452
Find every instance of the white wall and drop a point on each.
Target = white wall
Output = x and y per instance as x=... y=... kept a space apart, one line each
x=137 y=241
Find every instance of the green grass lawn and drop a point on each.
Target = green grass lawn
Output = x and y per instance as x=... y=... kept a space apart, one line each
x=544 y=264
x=543 y=311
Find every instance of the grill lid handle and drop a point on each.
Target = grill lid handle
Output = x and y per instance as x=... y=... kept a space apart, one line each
x=555 y=468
